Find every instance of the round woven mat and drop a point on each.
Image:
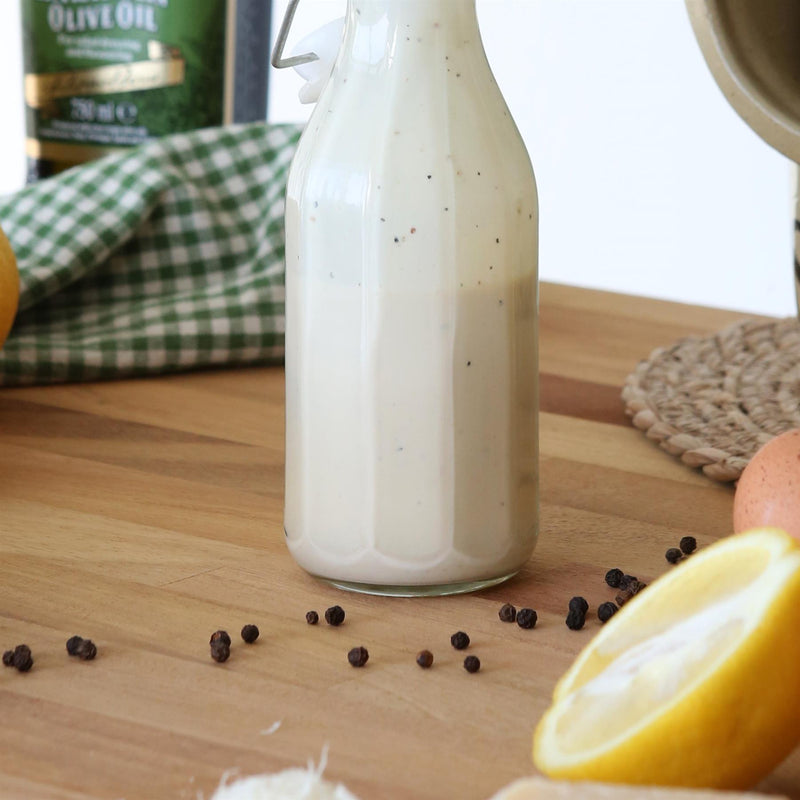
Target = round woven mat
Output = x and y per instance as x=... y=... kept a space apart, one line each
x=713 y=401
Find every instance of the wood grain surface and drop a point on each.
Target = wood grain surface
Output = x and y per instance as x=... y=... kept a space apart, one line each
x=147 y=514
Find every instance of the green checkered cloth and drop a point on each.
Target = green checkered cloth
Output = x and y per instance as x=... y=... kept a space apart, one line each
x=167 y=257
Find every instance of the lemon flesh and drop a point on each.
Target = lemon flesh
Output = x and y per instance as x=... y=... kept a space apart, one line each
x=694 y=683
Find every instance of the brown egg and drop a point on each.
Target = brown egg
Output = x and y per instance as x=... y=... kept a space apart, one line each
x=768 y=492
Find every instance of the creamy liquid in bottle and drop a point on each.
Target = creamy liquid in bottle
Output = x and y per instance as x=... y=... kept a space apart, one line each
x=411 y=342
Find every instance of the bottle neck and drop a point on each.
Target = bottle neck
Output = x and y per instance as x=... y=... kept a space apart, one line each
x=411 y=10
x=380 y=30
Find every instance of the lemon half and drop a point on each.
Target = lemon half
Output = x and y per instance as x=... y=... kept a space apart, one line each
x=696 y=682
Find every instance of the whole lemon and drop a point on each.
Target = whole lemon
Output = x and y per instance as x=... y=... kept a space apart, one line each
x=9 y=287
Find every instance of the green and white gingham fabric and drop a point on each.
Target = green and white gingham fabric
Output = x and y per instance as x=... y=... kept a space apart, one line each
x=167 y=257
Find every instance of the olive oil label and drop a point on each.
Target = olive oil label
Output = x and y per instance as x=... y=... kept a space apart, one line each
x=103 y=75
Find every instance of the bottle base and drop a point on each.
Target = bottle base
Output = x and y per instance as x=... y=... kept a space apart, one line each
x=432 y=590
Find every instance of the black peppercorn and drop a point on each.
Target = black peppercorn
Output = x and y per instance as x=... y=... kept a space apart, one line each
x=334 y=615
x=459 y=640
x=627 y=581
x=627 y=593
x=425 y=658
x=220 y=651
x=73 y=644
x=472 y=663
x=250 y=633
x=605 y=611
x=87 y=650
x=358 y=656
x=8 y=658
x=673 y=555
x=613 y=577
x=526 y=618
x=579 y=604
x=688 y=544
x=220 y=636
x=312 y=618
x=23 y=660
x=507 y=613
x=576 y=619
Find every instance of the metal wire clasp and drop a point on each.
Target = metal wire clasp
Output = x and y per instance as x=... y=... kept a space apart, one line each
x=278 y=61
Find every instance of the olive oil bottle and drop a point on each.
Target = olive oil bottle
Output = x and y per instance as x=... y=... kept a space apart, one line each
x=101 y=75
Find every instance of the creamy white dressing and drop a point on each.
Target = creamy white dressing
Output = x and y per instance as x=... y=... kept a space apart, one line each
x=411 y=342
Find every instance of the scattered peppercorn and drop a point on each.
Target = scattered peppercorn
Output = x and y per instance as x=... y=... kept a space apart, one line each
x=73 y=643
x=605 y=611
x=220 y=651
x=507 y=613
x=8 y=658
x=459 y=640
x=629 y=592
x=425 y=658
x=358 y=656
x=673 y=555
x=576 y=619
x=472 y=663
x=220 y=636
x=250 y=633
x=23 y=660
x=627 y=580
x=334 y=615
x=578 y=604
x=623 y=598
x=526 y=618
x=613 y=577
x=312 y=618
x=87 y=650
x=688 y=544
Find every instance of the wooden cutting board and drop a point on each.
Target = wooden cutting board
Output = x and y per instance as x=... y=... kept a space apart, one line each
x=147 y=514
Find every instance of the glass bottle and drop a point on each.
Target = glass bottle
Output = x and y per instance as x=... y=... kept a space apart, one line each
x=412 y=297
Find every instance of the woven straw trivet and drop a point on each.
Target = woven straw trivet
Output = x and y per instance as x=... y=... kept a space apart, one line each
x=713 y=401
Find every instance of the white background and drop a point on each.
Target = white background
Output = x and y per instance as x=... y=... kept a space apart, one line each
x=649 y=183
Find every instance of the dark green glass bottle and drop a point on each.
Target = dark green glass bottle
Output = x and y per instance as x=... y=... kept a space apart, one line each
x=100 y=76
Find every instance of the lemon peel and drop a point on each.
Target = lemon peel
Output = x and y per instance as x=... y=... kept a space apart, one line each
x=9 y=287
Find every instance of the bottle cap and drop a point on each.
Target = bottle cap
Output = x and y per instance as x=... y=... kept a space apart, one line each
x=325 y=42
